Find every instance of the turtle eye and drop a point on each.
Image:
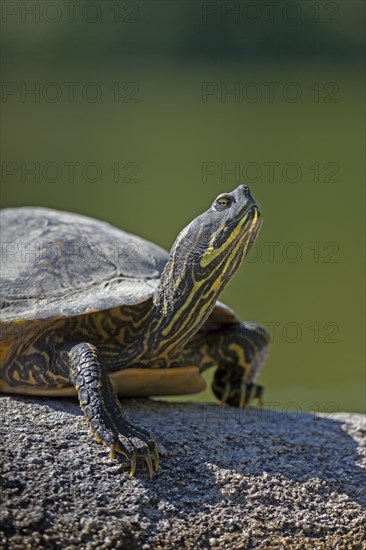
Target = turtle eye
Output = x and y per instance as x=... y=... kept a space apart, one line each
x=223 y=201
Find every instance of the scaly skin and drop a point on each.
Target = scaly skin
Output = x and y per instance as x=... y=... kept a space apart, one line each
x=79 y=363
x=239 y=351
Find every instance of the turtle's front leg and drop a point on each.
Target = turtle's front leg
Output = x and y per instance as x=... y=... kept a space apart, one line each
x=79 y=363
x=239 y=352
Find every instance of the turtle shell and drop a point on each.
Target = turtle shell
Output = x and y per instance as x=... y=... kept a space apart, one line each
x=60 y=264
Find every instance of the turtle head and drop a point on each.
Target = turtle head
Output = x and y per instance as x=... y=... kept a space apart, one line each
x=208 y=252
x=223 y=235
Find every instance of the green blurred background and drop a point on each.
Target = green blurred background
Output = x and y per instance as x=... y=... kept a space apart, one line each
x=157 y=135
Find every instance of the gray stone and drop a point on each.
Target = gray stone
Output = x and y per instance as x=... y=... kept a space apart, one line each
x=228 y=479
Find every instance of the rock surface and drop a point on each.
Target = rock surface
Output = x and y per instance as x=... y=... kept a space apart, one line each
x=228 y=479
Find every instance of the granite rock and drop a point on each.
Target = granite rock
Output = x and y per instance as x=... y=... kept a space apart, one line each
x=228 y=479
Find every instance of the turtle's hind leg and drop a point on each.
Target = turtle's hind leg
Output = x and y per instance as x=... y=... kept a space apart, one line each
x=239 y=352
x=79 y=363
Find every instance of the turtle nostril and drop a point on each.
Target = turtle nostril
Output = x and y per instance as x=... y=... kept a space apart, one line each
x=245 y=190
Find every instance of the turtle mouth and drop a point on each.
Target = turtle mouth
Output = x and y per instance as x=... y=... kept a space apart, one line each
x=246 y=216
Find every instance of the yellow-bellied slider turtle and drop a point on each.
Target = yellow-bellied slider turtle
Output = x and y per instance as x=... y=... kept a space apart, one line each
x=89 y=309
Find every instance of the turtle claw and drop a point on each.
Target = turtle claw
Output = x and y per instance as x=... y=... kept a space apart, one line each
x=152 y=460
x=239 y=394
x=149 y=465
x=132 y=444
x=134 y=448
x=133 y=465
x=246 y=391
x=112 y=451
x=141 y=449
x=156 y=457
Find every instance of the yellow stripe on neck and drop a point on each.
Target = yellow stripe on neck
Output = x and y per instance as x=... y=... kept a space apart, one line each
x=212 y=252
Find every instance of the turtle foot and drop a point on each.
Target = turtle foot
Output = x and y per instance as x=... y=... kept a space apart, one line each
x=79 y=363
x=230 y=388
x=124 y=438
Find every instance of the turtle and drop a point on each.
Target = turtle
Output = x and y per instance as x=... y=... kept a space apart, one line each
x=90 y=310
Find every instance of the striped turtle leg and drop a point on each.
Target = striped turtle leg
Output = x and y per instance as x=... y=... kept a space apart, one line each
x=239 y=351
x=78 y=362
